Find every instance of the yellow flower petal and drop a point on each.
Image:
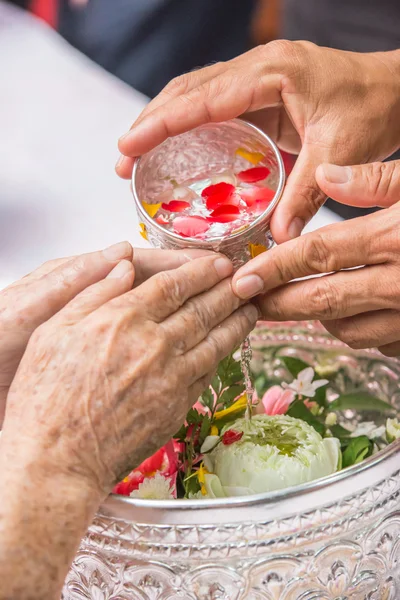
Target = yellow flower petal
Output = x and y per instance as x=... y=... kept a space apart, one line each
x=238 y=406
x=143 y=231
x=214 y=430
x=256 y=249
x=201 y=473
x=151 y=209
x=242 y=228
x=253 y=157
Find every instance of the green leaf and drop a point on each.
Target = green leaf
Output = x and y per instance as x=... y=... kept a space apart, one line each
x=191 y=486
x=339 y=432
x=300 y=411
x=230 y=394
x=216 y=384
x=358 y=449
x=193 y=417
x=204 y=429
x=181 y=435
x=320 y=396
x=294 y=365
x=360 y=400
x=207 y=399
x=260 y=385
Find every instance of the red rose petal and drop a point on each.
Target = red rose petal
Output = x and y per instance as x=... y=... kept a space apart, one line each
x=224 y=214
x=161 y=220
x=175 y=206
x=257 y=194
x=231 y=436
x=223 y=189
x=254 y=174
x=190 y=226
x=213 y=202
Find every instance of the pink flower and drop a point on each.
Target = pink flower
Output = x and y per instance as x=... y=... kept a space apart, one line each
x=276 y=401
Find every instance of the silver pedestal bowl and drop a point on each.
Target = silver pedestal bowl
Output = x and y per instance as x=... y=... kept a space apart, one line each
x=337 y=538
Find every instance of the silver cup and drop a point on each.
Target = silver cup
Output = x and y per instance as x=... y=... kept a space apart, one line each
x=216 y=147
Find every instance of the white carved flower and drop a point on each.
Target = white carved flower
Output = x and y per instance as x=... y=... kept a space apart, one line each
x=304 y=384
x=154 y=488
x=273 y=453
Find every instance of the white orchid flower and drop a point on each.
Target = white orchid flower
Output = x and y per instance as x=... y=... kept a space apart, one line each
x=369 y=429
x=154 y=488
x=304 y=384
x=274 y=452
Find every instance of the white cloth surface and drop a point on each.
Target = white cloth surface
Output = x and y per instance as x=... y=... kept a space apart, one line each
x=60 y=118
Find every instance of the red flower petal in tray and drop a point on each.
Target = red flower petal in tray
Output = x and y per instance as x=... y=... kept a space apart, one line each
x=161 y=220
x=175 y=206
x=213 y=202
x=253 y=175
x=257 y=194
x=231 y=436
x=224 y=214
x=190 y=226
x=223 y=189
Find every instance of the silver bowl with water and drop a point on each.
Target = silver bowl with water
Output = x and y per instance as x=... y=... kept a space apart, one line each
x=337 y=538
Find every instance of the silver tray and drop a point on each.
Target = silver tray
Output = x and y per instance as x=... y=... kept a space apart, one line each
x=337 y=538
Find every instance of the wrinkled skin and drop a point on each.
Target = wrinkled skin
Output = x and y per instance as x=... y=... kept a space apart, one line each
x=327 y=105
x=108 y=379
x=101 y=385
x=360 y=306
x=35 y=298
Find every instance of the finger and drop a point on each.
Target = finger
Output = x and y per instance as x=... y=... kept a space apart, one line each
x=44 y=297
x=190 y=325
x=222 y=98
x=331 y=248
x=368 y=330
x=173 y=89
x=344 y=294
x=302 y=197
x=118 y=281
x=220 y=342
x=182 y=85
x=45 y=268
x=150 y=261
x=124 y=167
x=164 y=293
x=391 y=350
x=374 y=184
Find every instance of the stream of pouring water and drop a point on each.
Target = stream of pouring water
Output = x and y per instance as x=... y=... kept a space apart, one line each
x=245 y=358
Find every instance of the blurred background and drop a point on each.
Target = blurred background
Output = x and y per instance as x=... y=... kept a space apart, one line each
x=74 y=74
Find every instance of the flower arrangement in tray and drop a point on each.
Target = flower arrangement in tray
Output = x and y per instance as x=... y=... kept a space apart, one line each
x=295 y=435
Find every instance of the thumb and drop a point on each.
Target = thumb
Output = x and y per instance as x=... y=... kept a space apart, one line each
x=302 y=198
x=374 y=184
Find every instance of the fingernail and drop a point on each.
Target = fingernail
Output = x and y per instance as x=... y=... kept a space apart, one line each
x=295 y=228
x=122 y=269
x=223 y=266
x=118 y=251
x=251 y=313
x=119 y=161
x=249 y=286
x=336 y=174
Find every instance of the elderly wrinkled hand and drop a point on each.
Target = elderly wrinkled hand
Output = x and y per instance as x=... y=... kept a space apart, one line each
x=360 y=306
x=94 y=375
x=331 y=106
x=35 y=298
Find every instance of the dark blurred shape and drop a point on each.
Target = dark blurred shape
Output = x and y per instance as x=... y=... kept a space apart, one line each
x=355 y=25
x=146 y=43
